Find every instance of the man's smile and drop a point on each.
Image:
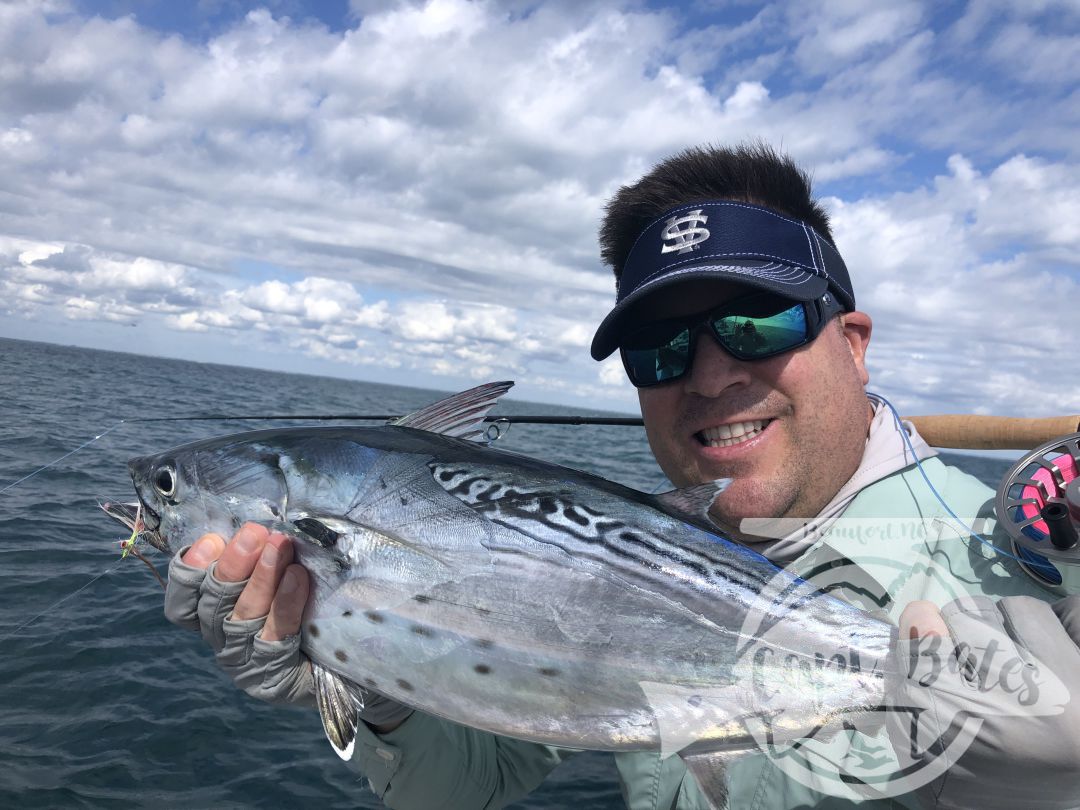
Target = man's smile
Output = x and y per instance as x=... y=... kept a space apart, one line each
x=732 y=433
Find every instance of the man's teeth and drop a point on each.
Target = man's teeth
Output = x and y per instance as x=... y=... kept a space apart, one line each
x=727 y=435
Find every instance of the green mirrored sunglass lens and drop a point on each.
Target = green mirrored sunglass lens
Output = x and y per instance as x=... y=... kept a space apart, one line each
x=749 y=336
x=661 y=363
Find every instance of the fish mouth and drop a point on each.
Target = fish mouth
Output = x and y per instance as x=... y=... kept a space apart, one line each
x=141 y=519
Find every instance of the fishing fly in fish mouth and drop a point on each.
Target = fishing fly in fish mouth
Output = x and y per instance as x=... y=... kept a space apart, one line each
x=453 y=609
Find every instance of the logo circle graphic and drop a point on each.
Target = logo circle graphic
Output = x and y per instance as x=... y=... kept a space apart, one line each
x=830 y=720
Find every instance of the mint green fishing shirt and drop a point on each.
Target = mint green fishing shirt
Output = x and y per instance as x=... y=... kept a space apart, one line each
x=905 y=547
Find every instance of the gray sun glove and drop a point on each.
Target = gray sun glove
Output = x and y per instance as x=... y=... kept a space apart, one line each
x=987 y=718
x=273 y=671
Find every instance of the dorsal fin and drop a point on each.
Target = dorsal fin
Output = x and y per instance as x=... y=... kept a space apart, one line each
x=461 y=415
x=693 y=503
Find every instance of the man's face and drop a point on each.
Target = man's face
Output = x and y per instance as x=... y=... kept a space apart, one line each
x=810 y=403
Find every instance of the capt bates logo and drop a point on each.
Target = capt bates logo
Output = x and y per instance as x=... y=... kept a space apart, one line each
x=684 y=234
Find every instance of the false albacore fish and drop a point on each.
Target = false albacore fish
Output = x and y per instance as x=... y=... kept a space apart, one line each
x=521 y=597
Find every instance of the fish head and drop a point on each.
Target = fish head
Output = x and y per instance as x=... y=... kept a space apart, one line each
x=213 y=486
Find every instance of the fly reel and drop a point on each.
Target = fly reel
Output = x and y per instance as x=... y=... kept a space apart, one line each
x=1038 y=505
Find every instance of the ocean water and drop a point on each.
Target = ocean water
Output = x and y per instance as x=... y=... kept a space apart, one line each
x=105 y=704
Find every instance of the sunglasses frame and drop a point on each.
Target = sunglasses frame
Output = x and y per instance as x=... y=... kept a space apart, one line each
x=816 y=313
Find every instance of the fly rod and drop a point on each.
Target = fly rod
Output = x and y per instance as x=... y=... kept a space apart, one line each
x=955 y=431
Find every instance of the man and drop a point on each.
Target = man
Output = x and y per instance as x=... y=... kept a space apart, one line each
x=736 y=320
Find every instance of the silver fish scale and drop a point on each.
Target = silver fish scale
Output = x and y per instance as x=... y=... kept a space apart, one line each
x=713 y=584
x=656 y=551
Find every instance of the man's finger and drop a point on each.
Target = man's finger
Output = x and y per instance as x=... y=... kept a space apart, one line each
x=258 y=594
x=204 y=551
x=287 y=609
x=921 y=619
x=242 y=553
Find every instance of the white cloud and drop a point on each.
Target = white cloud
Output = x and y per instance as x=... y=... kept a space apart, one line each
x=188 y=322
x=1035 y=201
x=612 y=373
x=840 y=31
x=1036 y=56
x=140 y=274
x=970 y=282
x=426 y=322
x=26 y=251
x=747 y=99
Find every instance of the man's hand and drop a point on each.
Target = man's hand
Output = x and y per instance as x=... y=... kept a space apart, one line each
x=987 y=694
x=275 y=588
x=246 y=598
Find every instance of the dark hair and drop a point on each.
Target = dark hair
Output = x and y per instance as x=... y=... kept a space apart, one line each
x=752 y=173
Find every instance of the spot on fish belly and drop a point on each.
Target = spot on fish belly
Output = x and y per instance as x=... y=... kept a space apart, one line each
x=404 y=684
x=482 y=669
x=313 y=630
x=341 y=656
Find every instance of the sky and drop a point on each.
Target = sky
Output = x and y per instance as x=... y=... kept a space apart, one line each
x=409 y=192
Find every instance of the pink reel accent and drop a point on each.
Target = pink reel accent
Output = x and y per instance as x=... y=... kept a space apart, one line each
x=1069 y=471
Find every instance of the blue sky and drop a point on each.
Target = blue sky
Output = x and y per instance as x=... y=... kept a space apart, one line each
x=409 y=191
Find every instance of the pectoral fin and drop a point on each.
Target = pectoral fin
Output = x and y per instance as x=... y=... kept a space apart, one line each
x=711 y=771
x=692 y=503
x=340 y=703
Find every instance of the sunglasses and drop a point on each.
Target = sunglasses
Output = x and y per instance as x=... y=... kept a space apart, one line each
x=749 y=328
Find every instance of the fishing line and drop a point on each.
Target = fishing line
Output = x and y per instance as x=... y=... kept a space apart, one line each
x=66 y=455
x=61 y=601
x=933 y=489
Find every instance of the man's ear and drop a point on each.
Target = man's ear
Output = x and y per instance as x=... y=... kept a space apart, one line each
x=856 y=328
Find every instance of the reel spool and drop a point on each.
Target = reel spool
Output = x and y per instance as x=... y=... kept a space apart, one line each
x=1038 y=505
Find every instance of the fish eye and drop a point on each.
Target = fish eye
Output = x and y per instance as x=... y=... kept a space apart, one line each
x=165 y=481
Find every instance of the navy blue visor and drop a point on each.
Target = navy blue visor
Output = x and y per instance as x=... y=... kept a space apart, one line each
x=724 y=241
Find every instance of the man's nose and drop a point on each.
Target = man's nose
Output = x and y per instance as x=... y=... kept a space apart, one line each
x=714 y=370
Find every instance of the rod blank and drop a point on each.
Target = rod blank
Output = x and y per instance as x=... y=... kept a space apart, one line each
x=956 y=431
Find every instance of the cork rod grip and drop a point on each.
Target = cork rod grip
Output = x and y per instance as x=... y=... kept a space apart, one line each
x=967 y=431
